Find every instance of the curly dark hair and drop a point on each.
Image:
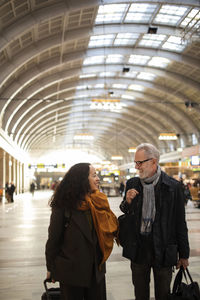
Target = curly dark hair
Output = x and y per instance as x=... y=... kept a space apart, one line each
x=73 y=188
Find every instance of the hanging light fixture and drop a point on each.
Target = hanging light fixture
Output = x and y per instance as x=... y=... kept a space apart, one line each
x=83 y=137
x=167 y=136
x=106 y=104
x=132 y=149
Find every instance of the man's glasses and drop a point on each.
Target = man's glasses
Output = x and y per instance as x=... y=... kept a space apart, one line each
x=140 y=162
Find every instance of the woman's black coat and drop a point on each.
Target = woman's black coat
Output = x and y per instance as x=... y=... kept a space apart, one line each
x=72 y=251
x=170 y=234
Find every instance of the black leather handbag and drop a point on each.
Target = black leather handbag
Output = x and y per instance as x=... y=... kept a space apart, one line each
x=182 y=290
x=127 y=235
x=125 y=228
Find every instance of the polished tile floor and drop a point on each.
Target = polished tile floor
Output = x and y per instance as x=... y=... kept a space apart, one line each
x=23 y=233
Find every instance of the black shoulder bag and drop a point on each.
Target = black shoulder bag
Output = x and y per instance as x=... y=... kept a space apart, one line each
x=182 y=290
x=127 y=235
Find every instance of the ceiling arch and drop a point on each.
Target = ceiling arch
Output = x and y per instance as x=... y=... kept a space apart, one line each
x=52 y=73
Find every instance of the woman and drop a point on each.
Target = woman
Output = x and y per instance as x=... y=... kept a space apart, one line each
x=81 y=234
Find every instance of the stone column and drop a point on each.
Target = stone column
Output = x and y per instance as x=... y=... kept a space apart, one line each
x=22 y=177
x=2 y=174
x=8 y=177
x=18 y=177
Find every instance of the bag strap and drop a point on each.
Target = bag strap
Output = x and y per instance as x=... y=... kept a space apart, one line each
x=68 y=215
x=177 y=281
x=188 y=273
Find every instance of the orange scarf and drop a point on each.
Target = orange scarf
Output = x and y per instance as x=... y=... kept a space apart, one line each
x=105 y=222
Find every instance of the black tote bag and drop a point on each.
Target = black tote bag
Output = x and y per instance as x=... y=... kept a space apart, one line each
x=184 y=291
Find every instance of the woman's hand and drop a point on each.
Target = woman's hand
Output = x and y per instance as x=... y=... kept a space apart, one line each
x=130 y=195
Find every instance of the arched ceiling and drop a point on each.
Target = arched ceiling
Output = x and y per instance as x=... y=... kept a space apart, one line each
x=121 y=71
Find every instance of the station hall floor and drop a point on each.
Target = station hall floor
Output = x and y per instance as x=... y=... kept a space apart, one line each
x=23 y=234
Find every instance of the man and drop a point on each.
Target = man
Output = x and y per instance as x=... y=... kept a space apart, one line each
x=159 y=237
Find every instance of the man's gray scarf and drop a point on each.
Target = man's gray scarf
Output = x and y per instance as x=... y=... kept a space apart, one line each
x=149 y=207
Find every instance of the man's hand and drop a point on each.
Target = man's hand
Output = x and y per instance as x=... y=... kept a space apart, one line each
x=182 y=262
x=130 y=195
x=49 y=276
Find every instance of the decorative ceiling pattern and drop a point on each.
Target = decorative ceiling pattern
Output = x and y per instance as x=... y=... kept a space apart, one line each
x=101 y=76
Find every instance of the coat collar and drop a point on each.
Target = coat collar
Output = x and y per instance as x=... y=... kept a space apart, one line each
x=167 y=180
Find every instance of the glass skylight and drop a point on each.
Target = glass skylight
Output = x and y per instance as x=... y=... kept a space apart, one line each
x=138 y=59
x=126 y=39
x=192 y=18
x=101 y=40
x=124 y=96
x=107 y=74
x=136 y=87
x=114 y=58
x=174 y=43
x=119 y=86
x=160 y=62
x=140 y=13
x=80 y=96
x=81 y=87
x=99 y=86
x=170 y=14
x=87 y=75
x=152 y=40
x=131 y=74
x=146 y=76
x=177 y=10
x=94 y=60
x=111 y=13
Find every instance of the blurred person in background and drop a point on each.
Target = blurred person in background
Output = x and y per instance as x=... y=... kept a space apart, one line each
x=11 y=190
x=32 y=188
x=121 y=188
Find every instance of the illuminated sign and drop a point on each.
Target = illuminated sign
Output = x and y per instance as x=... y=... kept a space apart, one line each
x=195 y=160
x=43 y=166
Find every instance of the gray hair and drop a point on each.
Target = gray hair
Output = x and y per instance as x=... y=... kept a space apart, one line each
x=150 y=150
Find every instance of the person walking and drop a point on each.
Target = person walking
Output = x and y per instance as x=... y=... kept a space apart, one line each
x=121 y=188
x=7 y=191
x=32 y=188
x=159 y=234
x=82 y=231
x=11 y=191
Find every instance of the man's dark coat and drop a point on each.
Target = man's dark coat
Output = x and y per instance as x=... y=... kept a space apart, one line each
x=170 y=234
